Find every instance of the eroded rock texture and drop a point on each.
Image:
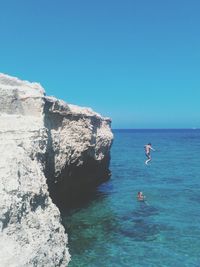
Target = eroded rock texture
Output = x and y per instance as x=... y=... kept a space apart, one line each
x=49 y=149
x=78 y=150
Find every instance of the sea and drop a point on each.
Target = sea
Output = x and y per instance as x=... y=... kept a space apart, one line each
x=113 y=229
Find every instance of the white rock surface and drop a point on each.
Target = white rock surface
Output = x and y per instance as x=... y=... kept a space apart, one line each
x=36 y=131
x=76 y=133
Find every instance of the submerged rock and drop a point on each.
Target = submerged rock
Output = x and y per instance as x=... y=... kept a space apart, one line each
x=49 y=150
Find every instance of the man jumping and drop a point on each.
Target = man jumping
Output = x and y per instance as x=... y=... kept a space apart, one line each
x=148 y=149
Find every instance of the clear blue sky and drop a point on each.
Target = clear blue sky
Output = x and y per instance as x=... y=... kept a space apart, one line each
x=137 y=61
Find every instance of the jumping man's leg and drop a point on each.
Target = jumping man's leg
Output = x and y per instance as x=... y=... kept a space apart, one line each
x=149 y=159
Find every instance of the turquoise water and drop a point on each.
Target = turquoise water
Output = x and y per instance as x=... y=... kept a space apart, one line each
x=114 y=229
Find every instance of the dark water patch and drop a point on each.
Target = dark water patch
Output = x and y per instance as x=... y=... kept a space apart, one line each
x=173 y=180
x=83 y=233
x=82 y=202
x=144 y=210
x=106 y=188
x=141 y=231
x=191 y=137
x=195 y=197
x=139 y=224
x=192 y=194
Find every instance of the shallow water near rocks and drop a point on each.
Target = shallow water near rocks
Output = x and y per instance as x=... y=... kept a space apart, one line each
x=114 y=229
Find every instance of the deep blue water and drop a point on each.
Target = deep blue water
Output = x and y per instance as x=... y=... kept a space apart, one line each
x=114 y=229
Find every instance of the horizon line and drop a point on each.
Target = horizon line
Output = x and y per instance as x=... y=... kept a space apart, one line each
x=193 y=128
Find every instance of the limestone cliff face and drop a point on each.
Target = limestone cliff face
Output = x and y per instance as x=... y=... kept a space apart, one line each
x=78 y=150
x=49 y=149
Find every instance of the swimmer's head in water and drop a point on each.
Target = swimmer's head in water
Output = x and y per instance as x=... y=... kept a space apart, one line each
x=149 y=144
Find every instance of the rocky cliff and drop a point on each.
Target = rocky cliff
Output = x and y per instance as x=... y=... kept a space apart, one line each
x=49 y=150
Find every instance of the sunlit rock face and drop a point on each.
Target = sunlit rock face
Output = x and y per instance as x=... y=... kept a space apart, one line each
x=78 y=150
x=49 y=150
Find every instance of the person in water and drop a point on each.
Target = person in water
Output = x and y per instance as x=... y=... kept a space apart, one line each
x=148 y=149
x=140 y=196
